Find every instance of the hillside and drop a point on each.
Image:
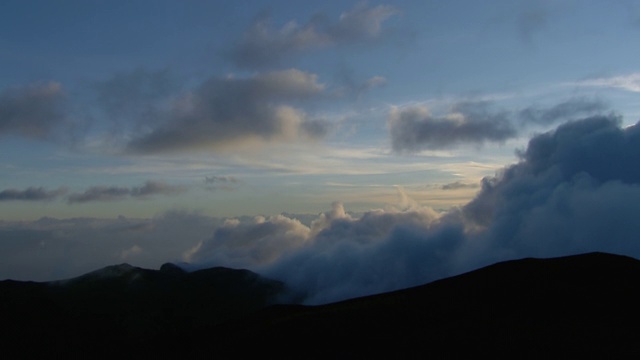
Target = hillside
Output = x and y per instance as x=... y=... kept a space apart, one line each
x=579 y=305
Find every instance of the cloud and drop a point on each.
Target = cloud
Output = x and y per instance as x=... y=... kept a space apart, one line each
x=33 y=111
x=228 y=183
x=575 y=189
x=31 y=194
x=264 y=45
x=113 y=193
x=628 y=82
x=257 y=243
x=459 y=185
x=335 y=257
x=220 y=179
x=567 y=110
x=414 y=128
x=232 y=112
x=151 y=188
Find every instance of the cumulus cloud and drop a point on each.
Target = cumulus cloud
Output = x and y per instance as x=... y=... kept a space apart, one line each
x=228 y=112
x=414 y=128
x=31 y=194
x=574 y=190
x=112 y=193
x=263 y=44
x=33 y=111
x=335 y=257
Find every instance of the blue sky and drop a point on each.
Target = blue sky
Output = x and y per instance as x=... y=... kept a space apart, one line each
x=225 y=109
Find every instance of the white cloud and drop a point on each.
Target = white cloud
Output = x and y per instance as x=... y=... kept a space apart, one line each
x=628 y=82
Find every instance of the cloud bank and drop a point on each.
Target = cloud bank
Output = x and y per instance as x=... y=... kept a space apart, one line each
x=574 y=190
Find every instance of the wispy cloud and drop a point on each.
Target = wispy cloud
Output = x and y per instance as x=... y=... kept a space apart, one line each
x=566 y=110
x=113 y=193
x=263 y=44
x=628 y=82
x=31 y=194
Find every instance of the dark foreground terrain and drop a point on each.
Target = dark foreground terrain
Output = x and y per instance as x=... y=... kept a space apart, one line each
x=578 y=305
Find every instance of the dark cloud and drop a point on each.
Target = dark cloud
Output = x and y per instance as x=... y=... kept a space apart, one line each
x=574 y=190
x=415 y=129
x=151 y=188
x=112 y=193
x=31 y=194
x=567 y=110
x=459 y=185
x=263 y=44
x=33 y=111
x=100 y=193
x=231 y=112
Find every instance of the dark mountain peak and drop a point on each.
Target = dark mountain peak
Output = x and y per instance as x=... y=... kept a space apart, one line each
x=171 y=269
x=115 y=270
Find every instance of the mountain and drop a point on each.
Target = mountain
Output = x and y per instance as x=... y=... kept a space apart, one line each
x=570 y=306
x=578 y=305
x=118 y=308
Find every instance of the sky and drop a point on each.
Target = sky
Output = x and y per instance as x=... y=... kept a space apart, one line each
x=346 y=148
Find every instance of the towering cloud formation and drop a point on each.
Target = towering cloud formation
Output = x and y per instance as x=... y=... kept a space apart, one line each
x=574 y=190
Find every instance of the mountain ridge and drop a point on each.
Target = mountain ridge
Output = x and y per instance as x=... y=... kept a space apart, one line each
x=580 y=304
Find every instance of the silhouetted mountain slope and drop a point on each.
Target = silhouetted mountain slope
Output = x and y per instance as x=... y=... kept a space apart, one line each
x=577 y=305
x=119 y=307
x=586 y=304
